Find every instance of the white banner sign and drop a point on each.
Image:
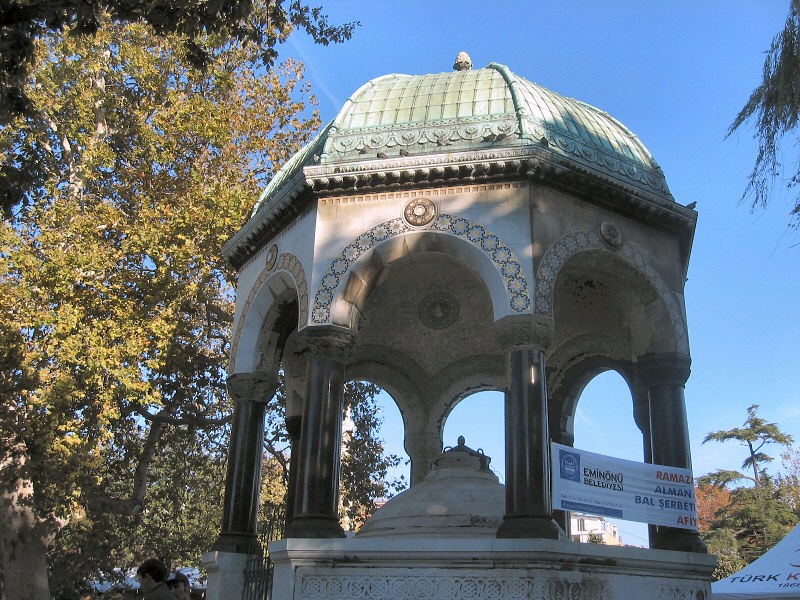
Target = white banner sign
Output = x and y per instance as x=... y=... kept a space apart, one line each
x=623 y=489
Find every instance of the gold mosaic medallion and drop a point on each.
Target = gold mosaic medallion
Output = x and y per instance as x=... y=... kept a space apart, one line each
x=419 y=212
x=438 y=310
x=272 y=257
x=611 y=234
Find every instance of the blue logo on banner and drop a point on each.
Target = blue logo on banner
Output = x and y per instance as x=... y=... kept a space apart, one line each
x=570 y=463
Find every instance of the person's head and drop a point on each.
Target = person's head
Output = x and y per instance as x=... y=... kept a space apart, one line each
x=178 y=584
x=151 y=572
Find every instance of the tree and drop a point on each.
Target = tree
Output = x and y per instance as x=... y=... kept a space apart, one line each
x=184 y=501
x=364 y=464
x=790 y=482
x=117 y=301
x=710 y=500
x=775 y=105
x=750 y=524
x=758 y=517
x=755 y=434
x=179 y=521
x=723 y=544
x=742 y=523
x=264 y=24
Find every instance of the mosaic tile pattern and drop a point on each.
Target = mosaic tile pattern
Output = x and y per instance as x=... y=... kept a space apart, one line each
x=580 y=241
x=491 y=245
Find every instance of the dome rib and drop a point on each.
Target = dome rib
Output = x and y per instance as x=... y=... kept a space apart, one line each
x=511 y=82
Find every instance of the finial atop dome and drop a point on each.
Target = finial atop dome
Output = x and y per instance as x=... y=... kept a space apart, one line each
x=463 y=62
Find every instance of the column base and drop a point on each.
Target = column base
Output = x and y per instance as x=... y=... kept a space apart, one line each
x=530 y=527
x=225 y=574
x=672 y=538
x=561 y=517
x=241 y=543
x=314 y=527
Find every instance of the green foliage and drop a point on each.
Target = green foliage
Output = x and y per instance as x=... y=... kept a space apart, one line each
x=720 y=478
x=755 y=434
x=775 y=105
x=755 y=519
x=742 y=523
x=263 y=24
x=723 y=544
x=117 y=301
x=790 y=482
x=179 y=521
x=596 y=538
x=364 y=464
x=759 y=518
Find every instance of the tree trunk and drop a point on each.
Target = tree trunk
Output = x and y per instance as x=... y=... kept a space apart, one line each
x=755 y=465
x=23 y=538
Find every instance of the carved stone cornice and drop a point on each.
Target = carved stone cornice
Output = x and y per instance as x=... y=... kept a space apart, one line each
x=516 y=332
x=327 y=342
x=253 y=387
x=535 y=162
x=664 y=369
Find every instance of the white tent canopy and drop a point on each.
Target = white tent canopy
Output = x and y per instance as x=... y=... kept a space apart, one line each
x=775 y=575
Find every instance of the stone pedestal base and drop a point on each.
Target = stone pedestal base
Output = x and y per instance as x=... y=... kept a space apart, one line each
x=482 y=569
x=225 y=574
x=530 y=527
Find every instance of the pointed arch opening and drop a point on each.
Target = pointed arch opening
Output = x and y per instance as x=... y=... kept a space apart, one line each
x=374 y=463
x=480 y=418
x=604 y=424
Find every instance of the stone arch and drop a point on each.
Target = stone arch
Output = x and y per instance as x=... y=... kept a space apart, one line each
x=396 y=384
x=482 y=433
x=287 y=278
x=570 y=382
x=449 y=405
x=347 y=281
x=576 y=242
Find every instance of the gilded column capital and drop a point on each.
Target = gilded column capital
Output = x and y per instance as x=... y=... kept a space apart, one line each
x=325 y=342
x=516 y=332
x=255 y=387
x=664 y=369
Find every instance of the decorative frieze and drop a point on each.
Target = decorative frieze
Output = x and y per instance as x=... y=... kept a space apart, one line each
x=487 y=584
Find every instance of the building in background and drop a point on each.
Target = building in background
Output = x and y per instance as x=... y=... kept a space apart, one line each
x=583 y=526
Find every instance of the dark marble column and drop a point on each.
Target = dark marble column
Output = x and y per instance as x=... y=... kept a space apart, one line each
x=293 y=428
x=665 y=376
x=641 y=415
x=316 y=495
x=250 y=391
x=528 y=501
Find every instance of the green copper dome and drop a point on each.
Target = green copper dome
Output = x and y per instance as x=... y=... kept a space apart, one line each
x=397 y=122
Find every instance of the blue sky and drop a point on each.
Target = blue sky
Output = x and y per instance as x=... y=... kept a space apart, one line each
x=676 y=73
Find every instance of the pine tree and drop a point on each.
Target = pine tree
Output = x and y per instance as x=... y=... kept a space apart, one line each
x=755 y=434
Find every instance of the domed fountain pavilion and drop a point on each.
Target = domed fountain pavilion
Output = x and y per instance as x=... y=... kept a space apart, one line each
x=444 y=234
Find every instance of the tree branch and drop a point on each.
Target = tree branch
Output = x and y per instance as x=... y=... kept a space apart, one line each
x=132 y=506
